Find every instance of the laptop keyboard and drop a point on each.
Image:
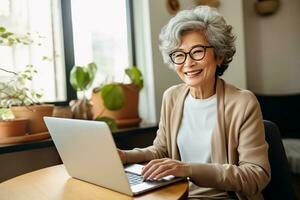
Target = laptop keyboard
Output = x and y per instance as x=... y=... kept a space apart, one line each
x=134 y=179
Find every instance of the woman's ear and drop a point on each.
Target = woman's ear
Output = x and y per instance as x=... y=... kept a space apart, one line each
x=220 y=59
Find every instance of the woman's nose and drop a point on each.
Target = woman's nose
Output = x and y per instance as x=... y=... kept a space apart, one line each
x=189 y=62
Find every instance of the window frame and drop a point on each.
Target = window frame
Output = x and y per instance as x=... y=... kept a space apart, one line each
x=68 y=46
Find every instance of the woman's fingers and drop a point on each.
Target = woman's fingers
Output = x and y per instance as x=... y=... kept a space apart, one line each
x=161 y=171
x=164 y=173
x=151 y=166
x=157 y=169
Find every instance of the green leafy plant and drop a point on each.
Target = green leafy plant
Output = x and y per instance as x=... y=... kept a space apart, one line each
x=112 y=93
x=18 y=99
x=135 y=76
x=8 y=38
x=81 y=77
x=15 y=90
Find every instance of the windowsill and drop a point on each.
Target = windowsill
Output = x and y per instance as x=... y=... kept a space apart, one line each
x=118 y=135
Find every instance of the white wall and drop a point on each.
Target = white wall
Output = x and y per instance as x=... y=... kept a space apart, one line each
x=233 y=13
x=273 y=49
x=164 y=77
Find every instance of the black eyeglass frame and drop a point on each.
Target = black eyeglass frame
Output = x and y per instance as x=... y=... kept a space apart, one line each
x=189 y=53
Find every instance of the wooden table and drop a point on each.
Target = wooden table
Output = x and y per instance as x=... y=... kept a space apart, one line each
x=53 y=183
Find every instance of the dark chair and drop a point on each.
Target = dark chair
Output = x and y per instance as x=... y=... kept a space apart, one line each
x=280 y=186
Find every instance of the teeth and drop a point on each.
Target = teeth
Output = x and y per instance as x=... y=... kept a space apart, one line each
x=193 y=72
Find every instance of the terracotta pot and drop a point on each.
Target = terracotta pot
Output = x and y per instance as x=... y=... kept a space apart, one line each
x=62 y=111
x=126 y=116
x=13 y=127
x=35 y=116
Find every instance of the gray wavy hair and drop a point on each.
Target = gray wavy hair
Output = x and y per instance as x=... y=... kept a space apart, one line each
x=203 y=18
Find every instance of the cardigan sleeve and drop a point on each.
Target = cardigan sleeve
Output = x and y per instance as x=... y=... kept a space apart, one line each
x=252 y=172
x=159 y=147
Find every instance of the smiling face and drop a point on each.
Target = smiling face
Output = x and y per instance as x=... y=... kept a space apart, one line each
x=197 y=74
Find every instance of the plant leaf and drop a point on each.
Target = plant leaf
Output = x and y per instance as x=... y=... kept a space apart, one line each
x=6 y=34
x=91 y=69
x=79 y=78
x=6 y=113
x=2 y=29
x=109 y=121
x=11 y=41
x=135 y=76
x=113 y=96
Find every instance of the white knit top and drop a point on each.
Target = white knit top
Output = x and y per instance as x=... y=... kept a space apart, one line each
x=198 y=121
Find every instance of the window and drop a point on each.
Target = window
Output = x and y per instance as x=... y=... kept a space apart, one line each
x=100 y=35
x=41 y=19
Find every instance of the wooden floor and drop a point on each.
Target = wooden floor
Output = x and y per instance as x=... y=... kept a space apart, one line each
x=296 y=182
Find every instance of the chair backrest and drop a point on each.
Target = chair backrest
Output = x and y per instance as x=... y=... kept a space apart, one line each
x=280 y=186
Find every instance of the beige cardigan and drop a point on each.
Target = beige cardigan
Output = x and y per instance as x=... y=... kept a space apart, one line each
x=239 y=152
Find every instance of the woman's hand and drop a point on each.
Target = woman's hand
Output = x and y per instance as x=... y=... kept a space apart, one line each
x=122 y=156
x=158 y=168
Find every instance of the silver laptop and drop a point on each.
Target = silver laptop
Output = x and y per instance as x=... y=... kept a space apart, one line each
x=89 y=153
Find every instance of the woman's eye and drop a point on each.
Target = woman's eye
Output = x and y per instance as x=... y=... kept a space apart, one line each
x=198 y=51
x=178 y=55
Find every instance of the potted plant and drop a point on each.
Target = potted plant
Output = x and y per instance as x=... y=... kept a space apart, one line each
x=112 y=102
x=81 y=78
x=23 y=101
x=119 y=101
x=9 y=126
x=16 y=92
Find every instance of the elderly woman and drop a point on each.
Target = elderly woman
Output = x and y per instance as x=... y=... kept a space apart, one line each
x=209 y=131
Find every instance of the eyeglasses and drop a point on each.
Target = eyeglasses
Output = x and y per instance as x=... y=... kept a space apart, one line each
x=196 y=53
